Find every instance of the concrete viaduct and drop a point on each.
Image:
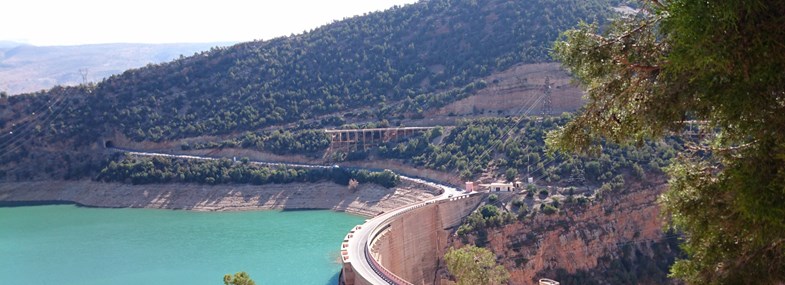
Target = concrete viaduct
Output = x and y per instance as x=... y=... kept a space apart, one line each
x=404 y=246
x=371 y=136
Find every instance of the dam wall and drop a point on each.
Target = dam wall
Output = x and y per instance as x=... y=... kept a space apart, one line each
x=411 y=245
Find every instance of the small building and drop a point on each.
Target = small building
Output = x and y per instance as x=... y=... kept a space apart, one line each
x=501 y=187
x=469 y=186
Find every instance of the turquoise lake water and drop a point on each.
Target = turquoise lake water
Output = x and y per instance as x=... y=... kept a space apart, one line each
x=84 y=246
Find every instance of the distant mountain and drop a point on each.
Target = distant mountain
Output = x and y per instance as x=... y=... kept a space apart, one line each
x=26 y=68
x=9 y=44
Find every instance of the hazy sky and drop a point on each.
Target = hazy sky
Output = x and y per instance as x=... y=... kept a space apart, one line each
x=68 y=22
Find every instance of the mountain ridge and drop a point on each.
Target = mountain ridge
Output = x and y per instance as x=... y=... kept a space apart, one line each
x=28 y=68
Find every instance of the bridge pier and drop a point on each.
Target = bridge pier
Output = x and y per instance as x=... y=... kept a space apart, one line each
x=366 y=137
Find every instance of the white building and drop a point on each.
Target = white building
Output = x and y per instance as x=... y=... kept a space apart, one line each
x=500 y=187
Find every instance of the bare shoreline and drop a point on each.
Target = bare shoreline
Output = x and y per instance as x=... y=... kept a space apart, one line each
x=367 y=200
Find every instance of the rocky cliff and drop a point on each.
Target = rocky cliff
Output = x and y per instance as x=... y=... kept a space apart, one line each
x=617 y=239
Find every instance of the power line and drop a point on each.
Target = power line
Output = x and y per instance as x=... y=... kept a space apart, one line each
x=32 y=116
x=507 y=132
x=545 y=98
x=23 y=136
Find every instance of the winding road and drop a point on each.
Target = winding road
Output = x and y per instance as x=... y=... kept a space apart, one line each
x=183 y=156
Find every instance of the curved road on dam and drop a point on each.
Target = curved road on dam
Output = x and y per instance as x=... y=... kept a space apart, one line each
x=362 y=237
x=357 y=248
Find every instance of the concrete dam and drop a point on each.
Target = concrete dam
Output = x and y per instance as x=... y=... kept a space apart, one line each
x=404 y=246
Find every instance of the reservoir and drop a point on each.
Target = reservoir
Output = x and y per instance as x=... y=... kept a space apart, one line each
x=71 y=245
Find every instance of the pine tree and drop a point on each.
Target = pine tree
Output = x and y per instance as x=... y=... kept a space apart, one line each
x=716 y=65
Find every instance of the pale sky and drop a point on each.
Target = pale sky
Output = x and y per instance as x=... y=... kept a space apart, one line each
x=69 y=22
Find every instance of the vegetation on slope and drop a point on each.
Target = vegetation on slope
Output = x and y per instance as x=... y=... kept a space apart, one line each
x=564 y=183
x=404 y=55
x=384 y=65
x=619 y=247
x=278 y=142
x=514 y=146
x=517 y=145
x=150 y=170
x=475 y=265
x=405 y=60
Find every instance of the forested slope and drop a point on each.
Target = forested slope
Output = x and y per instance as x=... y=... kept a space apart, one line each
x=404 y=60
x=400 y=62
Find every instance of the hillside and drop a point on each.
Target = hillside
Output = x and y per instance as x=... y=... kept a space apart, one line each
x=404 y=61
x=476 y=68
x=616 y=239
x=26 y=68
x=398 y=64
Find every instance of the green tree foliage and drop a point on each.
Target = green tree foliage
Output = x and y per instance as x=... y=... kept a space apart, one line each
x=521 y=142
x=510 y=174
x=717 y=63
x=151 y=170
x=473 y=265
x=278 y=142
x=385 y=178
x=488 y=216
x=239 y=278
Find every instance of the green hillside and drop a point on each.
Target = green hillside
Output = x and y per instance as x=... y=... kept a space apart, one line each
x=393 y=64
x=399 y=60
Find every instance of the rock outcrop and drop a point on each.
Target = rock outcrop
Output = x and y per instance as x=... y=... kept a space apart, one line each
x=617 y=240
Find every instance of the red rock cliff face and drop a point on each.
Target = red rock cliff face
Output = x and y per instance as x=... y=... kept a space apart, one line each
x=618 y=240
